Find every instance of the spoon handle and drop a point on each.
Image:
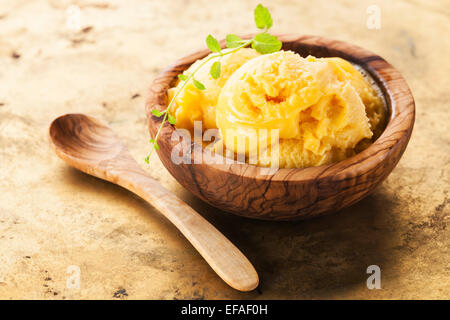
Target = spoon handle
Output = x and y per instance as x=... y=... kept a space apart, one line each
x=222 y=255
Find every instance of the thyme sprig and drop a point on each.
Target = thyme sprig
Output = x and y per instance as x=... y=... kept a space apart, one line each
x=263 y=43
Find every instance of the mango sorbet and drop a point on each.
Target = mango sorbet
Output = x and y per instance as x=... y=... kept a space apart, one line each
x=193 y=104
x=324 y=109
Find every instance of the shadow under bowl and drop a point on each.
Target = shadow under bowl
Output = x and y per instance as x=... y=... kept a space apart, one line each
x=299 y=193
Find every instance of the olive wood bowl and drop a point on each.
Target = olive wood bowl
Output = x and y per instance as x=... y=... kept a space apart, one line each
x=299 y=193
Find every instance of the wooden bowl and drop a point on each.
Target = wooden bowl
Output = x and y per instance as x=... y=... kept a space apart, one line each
x=291 y=194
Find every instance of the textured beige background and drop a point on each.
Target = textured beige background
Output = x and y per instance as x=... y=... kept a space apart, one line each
x=52 y=216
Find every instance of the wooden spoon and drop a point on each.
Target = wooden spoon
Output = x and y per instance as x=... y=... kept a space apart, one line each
x=91 y=146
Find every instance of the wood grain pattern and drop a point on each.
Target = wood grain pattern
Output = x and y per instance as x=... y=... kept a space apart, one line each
x=90 y=146
x=291 y=194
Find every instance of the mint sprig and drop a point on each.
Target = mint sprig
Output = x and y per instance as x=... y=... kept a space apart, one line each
x=199 y=85
x=263 y=43
x=213 y=44
x=263 y=19
x=215 y=70
x=157 y=113
x=266 y=43
x=233 y=41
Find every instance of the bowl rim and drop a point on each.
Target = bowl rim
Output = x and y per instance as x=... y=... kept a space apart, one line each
x=396 y=92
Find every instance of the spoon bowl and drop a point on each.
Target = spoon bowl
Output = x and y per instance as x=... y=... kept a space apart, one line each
x=290 y=194
x=92 y=141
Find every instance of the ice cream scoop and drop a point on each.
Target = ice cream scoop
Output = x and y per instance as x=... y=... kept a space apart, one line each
x=200 y=105
x=321 y=110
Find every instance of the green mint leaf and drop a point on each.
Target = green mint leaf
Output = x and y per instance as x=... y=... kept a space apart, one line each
x=263 y=19
x=157 y=113
x=212 y=43
x=233 y=41
x=199 y=85
x=172 y=119
x=215 y=70
x=265 y=43
x=155 y=145
x=146 y=159
x=182 y=77
x=152 y=141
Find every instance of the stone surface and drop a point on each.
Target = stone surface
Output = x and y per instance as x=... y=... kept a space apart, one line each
x=53 y=217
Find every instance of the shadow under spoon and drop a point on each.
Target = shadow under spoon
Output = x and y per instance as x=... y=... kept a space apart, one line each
x=89 y=145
